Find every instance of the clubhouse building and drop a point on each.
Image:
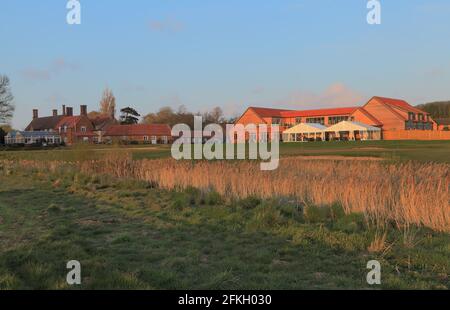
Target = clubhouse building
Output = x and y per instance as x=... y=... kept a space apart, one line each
x=380 y=118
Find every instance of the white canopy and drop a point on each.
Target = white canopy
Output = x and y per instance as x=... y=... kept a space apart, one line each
x=306 y=128
x=351 y=126
x=304 y=132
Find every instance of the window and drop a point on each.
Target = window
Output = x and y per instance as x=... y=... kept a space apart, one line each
x=316 y=120
x=276 y=121
x=146 y=138
x=83 y=129
x=421 y=118
x=298 y=120
x=337 y=119
x=411 y=116
x=409 y=125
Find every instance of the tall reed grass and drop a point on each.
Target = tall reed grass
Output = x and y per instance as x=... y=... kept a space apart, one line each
x=403 y=193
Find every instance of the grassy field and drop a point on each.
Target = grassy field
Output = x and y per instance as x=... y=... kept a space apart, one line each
x=423 y=151
x=127 y=235
x=133 y=234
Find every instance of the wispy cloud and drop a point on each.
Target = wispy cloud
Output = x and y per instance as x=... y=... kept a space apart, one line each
x=168 y=25
x=56 y=67
x=337 y=94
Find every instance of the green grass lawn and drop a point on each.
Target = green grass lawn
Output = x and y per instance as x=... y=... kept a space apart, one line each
x=425 y=151
x=127 y=235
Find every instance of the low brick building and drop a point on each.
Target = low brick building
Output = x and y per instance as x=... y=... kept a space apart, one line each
x=139 y=133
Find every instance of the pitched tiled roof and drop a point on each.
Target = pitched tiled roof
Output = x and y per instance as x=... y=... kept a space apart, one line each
x=402 y=104
x=267 y=112
x=69 y=121
x=44 y=123
x=320 y=112
x=139 y=130
x=103 y=122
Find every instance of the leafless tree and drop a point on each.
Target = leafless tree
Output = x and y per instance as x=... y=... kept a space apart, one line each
x=108 y=103
x=6 y=100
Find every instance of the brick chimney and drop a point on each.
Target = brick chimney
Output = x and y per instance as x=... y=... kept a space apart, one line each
x=35 y=113
x=64 y=109
x=83 y=110
x=69 y=111
x=55 y=112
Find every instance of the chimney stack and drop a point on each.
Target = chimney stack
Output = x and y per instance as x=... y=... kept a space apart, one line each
x=64 y=109
x=35 y=113
x=83 y=110
x=69 y=111
x=55 y=112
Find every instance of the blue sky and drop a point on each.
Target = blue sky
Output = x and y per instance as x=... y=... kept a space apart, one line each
x=233 y=53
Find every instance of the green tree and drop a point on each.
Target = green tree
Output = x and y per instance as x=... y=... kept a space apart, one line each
x=437 y=109
x=129 y=116
x=6 y=100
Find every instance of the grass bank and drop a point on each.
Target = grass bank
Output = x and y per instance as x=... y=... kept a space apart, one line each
x=129 y=234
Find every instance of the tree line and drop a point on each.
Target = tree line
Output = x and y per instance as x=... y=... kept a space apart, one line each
x=165 y=115
x=437 y=110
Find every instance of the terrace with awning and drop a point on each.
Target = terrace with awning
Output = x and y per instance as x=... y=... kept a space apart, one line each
x=305 y=132
x=347 y=130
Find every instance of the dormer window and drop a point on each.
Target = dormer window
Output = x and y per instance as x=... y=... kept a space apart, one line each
x=83 y=129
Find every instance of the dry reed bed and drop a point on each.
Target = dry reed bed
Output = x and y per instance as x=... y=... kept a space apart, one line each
x=406 y=193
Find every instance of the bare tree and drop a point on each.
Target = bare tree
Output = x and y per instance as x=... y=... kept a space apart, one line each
x=6 y=100
x=213 y=117
x=108 y=103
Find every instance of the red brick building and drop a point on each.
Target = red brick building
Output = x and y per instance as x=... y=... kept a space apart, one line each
x=391 y=115
x=139 y=133
x=71 y=128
